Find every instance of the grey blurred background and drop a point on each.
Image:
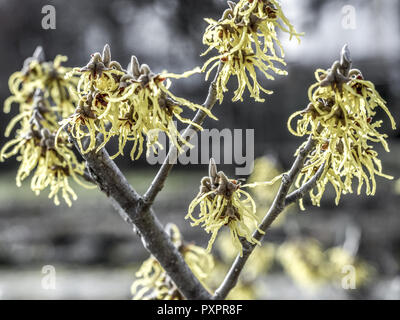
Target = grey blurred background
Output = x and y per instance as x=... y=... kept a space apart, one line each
x=94 y=252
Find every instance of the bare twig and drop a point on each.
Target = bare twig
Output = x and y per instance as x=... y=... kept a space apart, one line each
x=130 y=206
x=305 y=188
x=87 y=176
x=158 y=182
x=276 y=208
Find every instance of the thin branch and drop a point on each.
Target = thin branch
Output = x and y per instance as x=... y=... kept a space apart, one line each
x=305 y=188
x=158 y=182
x=276 y=208
x=87 y=176
x=130 y=206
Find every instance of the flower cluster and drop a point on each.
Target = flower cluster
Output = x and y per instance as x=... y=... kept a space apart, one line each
x=34 y=144
x=340 y=118
x=48 y=76
x=245 y=38
x=153 y=283
x=133 y=104
x=222 y=202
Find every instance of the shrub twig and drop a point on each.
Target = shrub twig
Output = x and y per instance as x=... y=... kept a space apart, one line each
x=280 y=202
x=158 y=182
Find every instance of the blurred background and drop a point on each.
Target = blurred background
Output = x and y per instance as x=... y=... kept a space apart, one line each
x=95 y=254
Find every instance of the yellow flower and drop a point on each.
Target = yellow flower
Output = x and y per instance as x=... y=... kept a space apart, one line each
x=154 y=283
x=222 y=203
x=35 y=146
x=37 y=83
x=150 y=108
x=98 y=80
x=82 y=124
x=245 y=38
x=47 y=76
x=133 y=104
x=340 y=117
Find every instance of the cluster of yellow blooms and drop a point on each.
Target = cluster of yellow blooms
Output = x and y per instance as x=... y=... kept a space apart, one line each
x=340 y=118
x=245 y=38
x=38 y=83
x=310 y=265
x=222 y=202
x=132 y=104
x=46 y=76
x=153 y=283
